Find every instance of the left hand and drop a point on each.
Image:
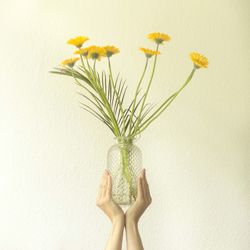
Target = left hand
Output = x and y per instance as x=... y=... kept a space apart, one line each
x=143 y=200
x=105 y=202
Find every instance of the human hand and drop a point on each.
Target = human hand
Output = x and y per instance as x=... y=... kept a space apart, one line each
x=105 y=202
x=143 y=200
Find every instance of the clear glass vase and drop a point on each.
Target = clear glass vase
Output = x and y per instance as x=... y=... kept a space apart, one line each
x=124 y=163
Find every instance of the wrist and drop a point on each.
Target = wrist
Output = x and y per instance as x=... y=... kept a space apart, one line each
x=130 y=221
x=118 y=220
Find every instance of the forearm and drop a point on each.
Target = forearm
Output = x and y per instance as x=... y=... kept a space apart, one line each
x=115 y=238
x=133 y=236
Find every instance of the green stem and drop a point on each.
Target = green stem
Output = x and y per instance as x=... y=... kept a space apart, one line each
x=94 y=65
x=89 y=67
x=83 y=65
x=136 y=94
x=124 y=149
x=165 y=104
x=117 y=96
x=144 y=99
x=85 y=70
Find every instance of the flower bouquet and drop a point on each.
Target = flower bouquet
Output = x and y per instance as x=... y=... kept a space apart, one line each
x=104 y=94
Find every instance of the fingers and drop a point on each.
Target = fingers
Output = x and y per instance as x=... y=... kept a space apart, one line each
x=109 y=186
x=148 y=191
x=105 y=183
x=102 y=186
x=105 y=189
x=100 y=191
x=145 y=192
x=140 y=190
x=144 y=188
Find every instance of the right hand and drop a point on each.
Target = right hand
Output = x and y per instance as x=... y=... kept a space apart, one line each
x=105 y=202
x=143 y=199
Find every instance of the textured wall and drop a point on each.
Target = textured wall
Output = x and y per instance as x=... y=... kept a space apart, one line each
x=196 y=154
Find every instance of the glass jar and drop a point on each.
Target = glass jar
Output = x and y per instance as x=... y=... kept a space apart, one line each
x=124 y=163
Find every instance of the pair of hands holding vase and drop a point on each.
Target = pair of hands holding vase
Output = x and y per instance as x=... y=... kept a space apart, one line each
x=120 y=220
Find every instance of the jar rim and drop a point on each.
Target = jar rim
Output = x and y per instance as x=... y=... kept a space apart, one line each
x=129 y=139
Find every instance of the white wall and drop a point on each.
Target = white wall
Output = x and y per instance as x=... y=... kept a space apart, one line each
x=196 y=154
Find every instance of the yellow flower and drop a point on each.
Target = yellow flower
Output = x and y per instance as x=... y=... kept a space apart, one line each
x=149 y=53
x=78 y=41
x=199 y=60
x=83 y=51
x=70 y=62
x=96 y=52
x=110 y=50
x=158 y=37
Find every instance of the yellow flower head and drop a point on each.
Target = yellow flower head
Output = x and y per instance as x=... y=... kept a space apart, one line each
x=96 y=52
x=158 y=37
x=110 y=50
x=83 y=51
x=78 y=41
x=199 y=60
x=70 y=62
x=149 y=53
